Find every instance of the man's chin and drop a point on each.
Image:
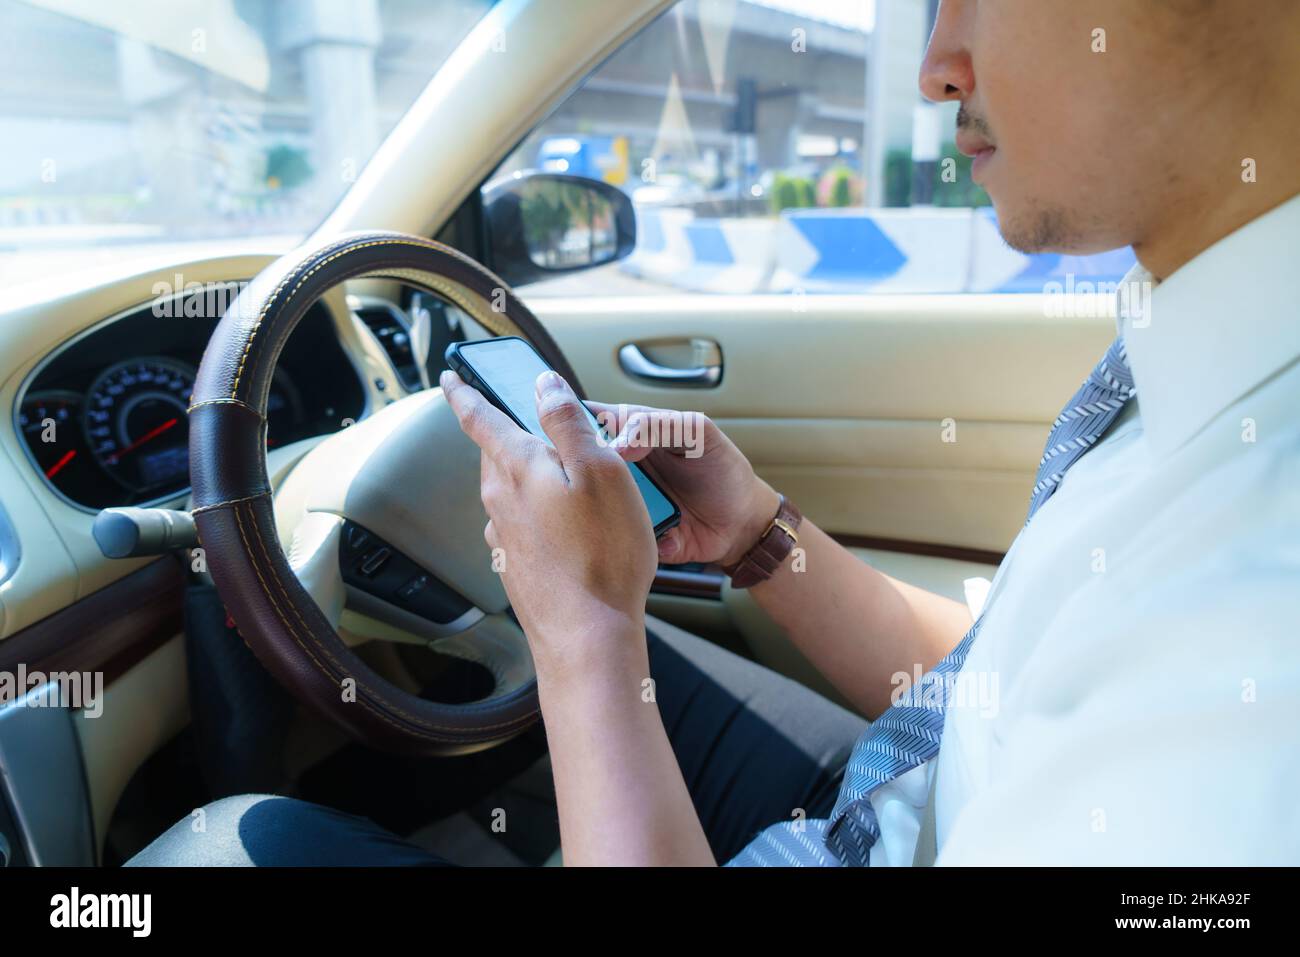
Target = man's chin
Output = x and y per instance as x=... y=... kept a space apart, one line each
x=1033 y=227
x=1037 y=229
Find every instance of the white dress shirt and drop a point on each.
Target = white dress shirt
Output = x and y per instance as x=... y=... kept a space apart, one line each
x=1140 y=654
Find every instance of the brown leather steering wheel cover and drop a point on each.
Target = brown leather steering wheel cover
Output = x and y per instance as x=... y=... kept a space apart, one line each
x=234 y=512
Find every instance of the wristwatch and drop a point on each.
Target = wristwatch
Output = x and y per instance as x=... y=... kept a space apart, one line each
x=777 y=541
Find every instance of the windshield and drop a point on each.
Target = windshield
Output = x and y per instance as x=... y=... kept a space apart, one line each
x=130 y=127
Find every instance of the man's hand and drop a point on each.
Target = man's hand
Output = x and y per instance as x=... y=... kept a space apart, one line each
x=577 y=554
x=725 y=506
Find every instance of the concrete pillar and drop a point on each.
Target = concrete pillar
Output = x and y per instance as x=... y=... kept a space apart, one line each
x=779 y=124
x=894 y=65
x=335 y=41
x=168 y=146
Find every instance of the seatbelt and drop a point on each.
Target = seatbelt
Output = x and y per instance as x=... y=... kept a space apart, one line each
x=927 y=844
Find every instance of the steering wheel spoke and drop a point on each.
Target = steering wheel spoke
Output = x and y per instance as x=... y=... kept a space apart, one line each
x=367 y=590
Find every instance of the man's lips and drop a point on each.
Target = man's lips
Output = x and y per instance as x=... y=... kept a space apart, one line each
x=970 y=143
x=980 y=150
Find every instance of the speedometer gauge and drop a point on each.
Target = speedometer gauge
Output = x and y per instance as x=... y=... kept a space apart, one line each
x=136 y=423
x=50 y=422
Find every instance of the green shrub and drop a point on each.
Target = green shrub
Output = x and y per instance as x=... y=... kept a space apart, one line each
x=791 y=192
x=962 y=193
x=286 y=167
x=841 y=188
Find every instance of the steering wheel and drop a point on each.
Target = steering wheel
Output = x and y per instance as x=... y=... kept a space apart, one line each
x=382 y=519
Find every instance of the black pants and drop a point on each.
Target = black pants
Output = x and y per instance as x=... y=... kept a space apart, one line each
x=755 y=748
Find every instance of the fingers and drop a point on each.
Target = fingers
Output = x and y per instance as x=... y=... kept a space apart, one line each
x=670 y=545
x=638 y=430
x=635 y=439
x=486 y=425
x=613 y=417
x=566 y=423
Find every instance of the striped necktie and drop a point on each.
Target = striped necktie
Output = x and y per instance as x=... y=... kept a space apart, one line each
x=908 y=733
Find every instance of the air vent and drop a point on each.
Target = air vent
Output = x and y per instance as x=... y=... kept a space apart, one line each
x=390 y=327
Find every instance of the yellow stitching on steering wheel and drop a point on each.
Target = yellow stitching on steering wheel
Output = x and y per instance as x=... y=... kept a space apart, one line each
x=271 y=301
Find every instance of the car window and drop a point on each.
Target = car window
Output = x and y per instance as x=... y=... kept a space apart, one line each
x=779 y=146
x=131 y=127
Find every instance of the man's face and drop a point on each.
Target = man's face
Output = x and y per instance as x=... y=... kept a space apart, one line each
x=1083 y=118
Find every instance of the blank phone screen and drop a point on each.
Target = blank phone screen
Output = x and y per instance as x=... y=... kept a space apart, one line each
x=510 y=367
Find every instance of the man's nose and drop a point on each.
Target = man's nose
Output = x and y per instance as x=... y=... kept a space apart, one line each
x=946 y=70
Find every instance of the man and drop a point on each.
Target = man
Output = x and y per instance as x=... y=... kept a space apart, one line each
x=1142 y=631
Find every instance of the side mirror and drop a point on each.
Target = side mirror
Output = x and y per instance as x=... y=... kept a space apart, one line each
x=542 y=225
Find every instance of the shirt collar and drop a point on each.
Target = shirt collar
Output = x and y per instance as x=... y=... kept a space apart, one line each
x=1215 y=329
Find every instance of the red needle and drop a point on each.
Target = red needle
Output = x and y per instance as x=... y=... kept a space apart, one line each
x=151 y=434
x=57 y=467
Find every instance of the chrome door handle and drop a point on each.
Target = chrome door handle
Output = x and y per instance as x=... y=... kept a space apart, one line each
x=704 y=376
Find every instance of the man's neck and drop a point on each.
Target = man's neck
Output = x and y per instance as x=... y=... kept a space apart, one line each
x=1192 y=225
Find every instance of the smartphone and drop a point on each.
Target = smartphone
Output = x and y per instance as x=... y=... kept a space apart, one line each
x=505 y=370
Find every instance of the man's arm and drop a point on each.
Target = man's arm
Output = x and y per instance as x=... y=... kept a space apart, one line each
x=857 y=626
x=619 y=790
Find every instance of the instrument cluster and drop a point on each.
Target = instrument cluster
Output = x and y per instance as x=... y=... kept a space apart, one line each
x=104 y=417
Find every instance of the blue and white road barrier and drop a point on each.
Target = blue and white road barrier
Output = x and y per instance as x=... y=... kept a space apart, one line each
x=852 y=250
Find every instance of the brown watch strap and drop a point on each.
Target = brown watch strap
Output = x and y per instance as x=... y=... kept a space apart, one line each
x=762 y=561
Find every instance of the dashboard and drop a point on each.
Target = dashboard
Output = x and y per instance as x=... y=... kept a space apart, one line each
x=103 y=417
